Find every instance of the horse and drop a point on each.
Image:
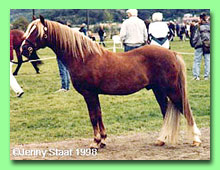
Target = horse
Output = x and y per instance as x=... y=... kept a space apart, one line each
x=94 y=70
x=17 y=37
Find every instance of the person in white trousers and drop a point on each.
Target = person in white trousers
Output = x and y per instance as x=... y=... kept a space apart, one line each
x=13 y=82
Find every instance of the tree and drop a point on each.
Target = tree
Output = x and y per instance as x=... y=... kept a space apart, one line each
x=108 y=17
x=21 y=23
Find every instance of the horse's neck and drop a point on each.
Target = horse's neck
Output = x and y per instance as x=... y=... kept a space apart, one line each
x=61 y=53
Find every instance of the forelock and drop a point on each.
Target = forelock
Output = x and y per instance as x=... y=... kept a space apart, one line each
x=36 y=24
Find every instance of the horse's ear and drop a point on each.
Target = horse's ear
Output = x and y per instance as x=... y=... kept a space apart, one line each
x=42 y=20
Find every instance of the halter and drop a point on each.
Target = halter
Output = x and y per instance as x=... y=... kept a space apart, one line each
x=33 y=45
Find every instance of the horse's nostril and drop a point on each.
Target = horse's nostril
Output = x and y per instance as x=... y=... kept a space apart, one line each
x=30 y=49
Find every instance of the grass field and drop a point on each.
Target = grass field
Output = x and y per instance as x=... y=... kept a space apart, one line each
x=44 y=116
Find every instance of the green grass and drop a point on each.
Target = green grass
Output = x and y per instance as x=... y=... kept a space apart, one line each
x=44 y=116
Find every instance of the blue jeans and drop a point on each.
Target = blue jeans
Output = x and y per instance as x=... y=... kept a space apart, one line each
x=64 y=75
x=197 y=61
x=128 y=48
x=102 y=40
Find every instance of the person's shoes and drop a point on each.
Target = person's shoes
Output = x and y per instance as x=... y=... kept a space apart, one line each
x=20 y=94
x=206 y=78
x=61 y=90
x=196 y=78
x=15 y=74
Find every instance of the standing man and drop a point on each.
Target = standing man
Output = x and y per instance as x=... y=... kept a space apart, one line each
x=133 y=31
x=101 y=33
x=201 y=43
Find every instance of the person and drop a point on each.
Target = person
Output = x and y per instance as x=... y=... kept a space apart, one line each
x=13 y=82
x=201 y=43
x=159 y=31
x=133 y=31
x=64 y=73
x=187 y=31
x=177 y=29
x=101 y=33
x=83 y=29
x=91 y=36
x=182 y=34
x=171 y=27
x=193 y=28
x=64 y=76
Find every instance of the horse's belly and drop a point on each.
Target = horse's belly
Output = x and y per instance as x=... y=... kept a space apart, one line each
x=123 y=86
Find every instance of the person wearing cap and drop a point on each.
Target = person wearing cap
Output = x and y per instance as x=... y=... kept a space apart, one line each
x=159 y=31
x=83 y=29
x=201 y=43
x=133 y=31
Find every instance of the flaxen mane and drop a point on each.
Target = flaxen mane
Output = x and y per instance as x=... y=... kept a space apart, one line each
x=77 y=44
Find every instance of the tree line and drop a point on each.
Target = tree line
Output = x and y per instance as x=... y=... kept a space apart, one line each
x=79 y=16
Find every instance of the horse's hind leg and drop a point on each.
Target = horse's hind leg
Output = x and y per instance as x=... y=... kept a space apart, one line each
x=94 y=108
x=161 y=99
x=170 y=109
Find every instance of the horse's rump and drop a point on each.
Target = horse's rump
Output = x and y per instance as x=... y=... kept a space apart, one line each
x=18 y=37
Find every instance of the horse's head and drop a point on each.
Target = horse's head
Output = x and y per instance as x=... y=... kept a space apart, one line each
x=35 y=37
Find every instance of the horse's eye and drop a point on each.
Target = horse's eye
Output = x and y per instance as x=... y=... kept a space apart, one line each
x=45 y=36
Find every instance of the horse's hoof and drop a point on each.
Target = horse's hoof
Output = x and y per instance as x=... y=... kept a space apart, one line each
x=159 y=143
x=102 y=145
x=15 y=74
x=94 y=146
x=196 y=144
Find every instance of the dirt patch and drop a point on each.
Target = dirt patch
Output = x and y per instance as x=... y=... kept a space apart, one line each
x=139 y=146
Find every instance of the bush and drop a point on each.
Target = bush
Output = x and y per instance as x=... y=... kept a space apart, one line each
x=21 y=23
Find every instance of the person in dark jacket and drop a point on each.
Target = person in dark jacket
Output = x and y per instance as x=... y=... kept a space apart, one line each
x=101 y=35
x=193 y=28
x=201 y=43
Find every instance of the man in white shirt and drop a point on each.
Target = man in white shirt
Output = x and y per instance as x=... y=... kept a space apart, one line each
x=133 y=31
x=158 y=31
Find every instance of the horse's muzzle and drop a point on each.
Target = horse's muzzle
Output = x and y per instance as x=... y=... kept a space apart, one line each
x=26 y=50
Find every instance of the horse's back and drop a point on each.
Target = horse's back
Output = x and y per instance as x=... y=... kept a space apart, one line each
x=18 y=37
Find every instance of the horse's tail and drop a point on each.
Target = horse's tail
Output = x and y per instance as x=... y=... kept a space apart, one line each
x=193 y=131
x=170 y=129
x=183 y=90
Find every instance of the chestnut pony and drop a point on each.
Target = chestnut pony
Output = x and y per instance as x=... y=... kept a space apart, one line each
x=95 y=70
x=17 y=37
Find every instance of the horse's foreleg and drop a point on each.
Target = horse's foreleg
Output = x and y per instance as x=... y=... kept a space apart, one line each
x=93 y=105
x=19 y=57
x=35 y=63
x=102 y=132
